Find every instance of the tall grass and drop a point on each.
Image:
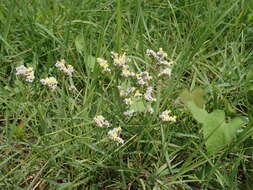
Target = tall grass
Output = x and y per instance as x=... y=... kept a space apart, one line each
x=49 y=140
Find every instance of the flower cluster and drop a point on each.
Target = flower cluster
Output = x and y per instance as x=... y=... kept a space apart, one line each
x=119 y=60
x=51 y=82
x=160 y=58
x=101 y=122
x=143 y=78
x=114 y=135
x=165 y=116
x=148 y=95
x=104 y=65
x=27 y=72
x=67 y=69
x=137 y=89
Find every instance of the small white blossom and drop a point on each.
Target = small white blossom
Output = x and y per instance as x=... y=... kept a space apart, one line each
x=129 y=113
x=150 y=52
x=148 y=95
x=143 y=78
x=165 y=116
x=104 y=64
x=72 y=88
x=123 y=92
x=150 y=110
x=100 y=121
x=126 y=72
x=119 y=60
x=164 y=62
x=27 y=72
x=166 y=71
x=128 y=101
x=67 y=69
x=161 y=54
x=51 y=82
x=114 y=135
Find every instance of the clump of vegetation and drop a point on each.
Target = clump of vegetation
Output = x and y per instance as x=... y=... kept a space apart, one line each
x=140 y=117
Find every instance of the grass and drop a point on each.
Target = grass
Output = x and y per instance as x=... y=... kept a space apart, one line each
x=49 y=139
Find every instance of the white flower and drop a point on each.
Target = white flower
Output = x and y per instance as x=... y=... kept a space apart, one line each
x=123 y=92
x=100 y=121
x=166 y=71
x=164 y=62
x=51 y=82
x=148 y=95
x=67 y=69
x=119 y=60
x=165 y=116
x=161 y=53
x=27 y=72
x=128 y=101
x=72 y=88
x=129 y=113
x=143 y=78
x=104 y=64
x=150 y=52
x=126 y=72
x=150 y=110
x=114 y=135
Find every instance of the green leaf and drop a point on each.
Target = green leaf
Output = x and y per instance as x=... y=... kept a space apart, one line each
x=197 y=96
x=216 y=131
x=80 y=44
x=138 y=106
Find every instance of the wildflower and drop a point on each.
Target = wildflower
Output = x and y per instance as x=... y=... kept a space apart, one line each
x=143 y=78
x=148 y=95
x=150 y=110
x=67 y=69
x=166 y=71
x=150 y=52
x=119 y=60
x=137 y=94
x=164 y=62
x=100 y=121
x=72 y=88
x=104 y=64
x=126 y=72
x=165 y=116
x=114 y=135
x=128 y=101
x=129 y=113
x=161 y=53
x=123 y=92
x=27 y=72
x=51 y=82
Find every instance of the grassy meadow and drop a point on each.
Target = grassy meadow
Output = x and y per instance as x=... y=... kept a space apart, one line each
x=146 y=94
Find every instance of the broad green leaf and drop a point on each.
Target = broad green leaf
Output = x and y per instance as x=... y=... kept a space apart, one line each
x=80 y=44
x=216 y=131
x=199 y=114
x=197 y=96
x=138 y=106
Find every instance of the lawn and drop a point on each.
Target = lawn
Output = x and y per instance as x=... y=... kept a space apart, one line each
x=136 y=94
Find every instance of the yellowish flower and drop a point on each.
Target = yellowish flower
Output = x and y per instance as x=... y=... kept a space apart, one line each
x=51 y=82
x=165 y=116
x=100 y=121
x=67 y=69
x=137 y=94
x=114 y=135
